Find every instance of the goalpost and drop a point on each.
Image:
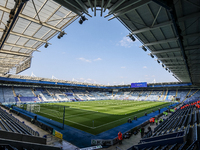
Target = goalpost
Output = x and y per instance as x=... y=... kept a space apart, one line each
x=33 y=108
x=19 y=104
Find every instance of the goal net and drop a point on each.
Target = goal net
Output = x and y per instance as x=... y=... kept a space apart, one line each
x=33 y=108
x=20 y=105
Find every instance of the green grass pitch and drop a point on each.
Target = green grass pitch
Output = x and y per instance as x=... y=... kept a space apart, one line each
x=97 y=116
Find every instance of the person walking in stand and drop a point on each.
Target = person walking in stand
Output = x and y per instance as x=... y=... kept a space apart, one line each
x=142 y=132
x=156 y=121
x=10 y=109
x=149 y=130
x=120 y=138
x=159 y=110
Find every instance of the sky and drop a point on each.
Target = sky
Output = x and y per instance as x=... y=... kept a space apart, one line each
x=98 y=51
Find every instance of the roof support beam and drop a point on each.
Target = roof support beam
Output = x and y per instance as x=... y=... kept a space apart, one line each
x=176 y=69
x=106 y=5
x=177 y=30
x=167 y=23
x=126 y=5
x=90 y=3
x=197 y=64
x=193 y=15
x=130 y=8
x=168 y=58
x=72 y=3
x=95 y=7
x=11 y=58
x=7 y=65
x=5 y=34
x=160 y=42
x=14 y=45
x=152 y=28
x=66 y=5
x=174 y=18
x=166 y=51
x=111 y=9
x=82 y=5
x=25 y=36
x=102 y=3
x=174 y=63
x=14 y=53
x=192 y=47
x=31 y=19
x=175 y=49
x=174 y=66
x=191 y=35
x=156 y=16
x=177 y=73
x=192 y=3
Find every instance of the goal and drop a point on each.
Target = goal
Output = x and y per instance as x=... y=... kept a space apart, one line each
x=33 y=108
x=19 y=104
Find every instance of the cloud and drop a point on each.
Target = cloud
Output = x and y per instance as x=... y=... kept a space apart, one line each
x=81 y=78
x=126 y=42
x=153 y=76
x=123 y=67
x=146 y=75
x=98 y=59
x=145 y=67
x=123 y=77
x=89 y=79
x=85 y=60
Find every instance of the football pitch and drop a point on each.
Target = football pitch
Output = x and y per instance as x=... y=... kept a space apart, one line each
x=97 y=116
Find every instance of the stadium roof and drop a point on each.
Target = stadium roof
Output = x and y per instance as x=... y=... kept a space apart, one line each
x=169 y=29
x=25 y=26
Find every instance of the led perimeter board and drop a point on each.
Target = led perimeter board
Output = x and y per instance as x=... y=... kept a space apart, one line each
x=140 y=84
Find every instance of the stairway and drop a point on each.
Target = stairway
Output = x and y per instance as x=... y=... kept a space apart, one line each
x=139 y=95
x=15 y=94
x=165 y=95
x=161 y=95
x=187 y=95
x=148 y=95
x=51 y=95
x=33 y=92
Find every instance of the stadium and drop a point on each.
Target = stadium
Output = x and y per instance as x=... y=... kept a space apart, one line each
x=59 y=114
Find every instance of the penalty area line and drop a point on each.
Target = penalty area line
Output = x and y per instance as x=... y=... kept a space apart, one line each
x=68 y=120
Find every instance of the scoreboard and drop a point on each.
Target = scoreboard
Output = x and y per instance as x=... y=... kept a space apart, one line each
x=139 y=84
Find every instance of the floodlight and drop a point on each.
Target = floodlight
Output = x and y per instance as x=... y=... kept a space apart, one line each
x=166 y=69
x=144 y=48
x=163 y=65
x=61 y=34
x=46 y=45
x=83 y=18
x=158 y=61
x=152 y=55
x=81 y=21
x=169 y=71
x=131 y=37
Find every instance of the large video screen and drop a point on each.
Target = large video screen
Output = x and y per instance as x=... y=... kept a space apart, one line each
x=140 y=84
